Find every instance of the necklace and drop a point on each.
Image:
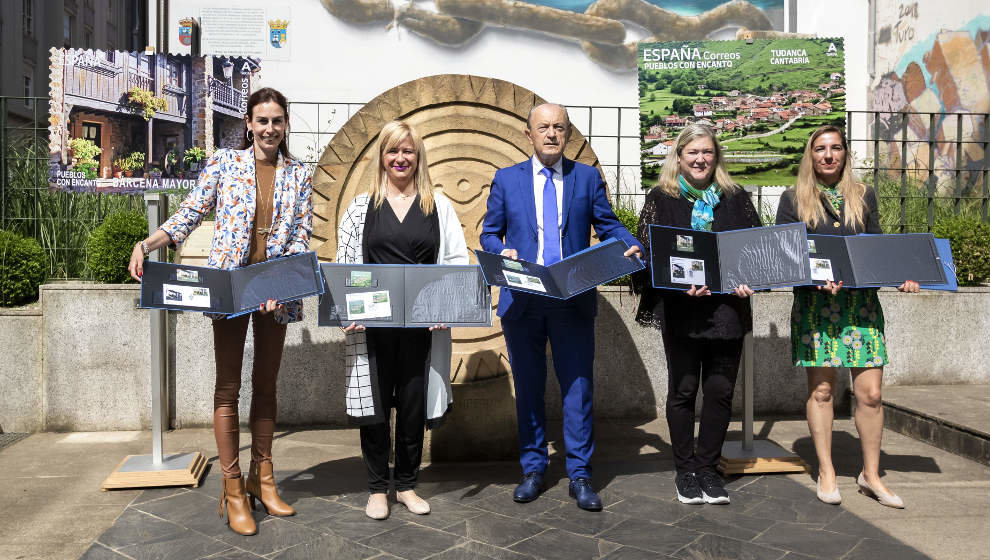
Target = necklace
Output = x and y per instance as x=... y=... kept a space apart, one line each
x=260 y=203
x=404 y=196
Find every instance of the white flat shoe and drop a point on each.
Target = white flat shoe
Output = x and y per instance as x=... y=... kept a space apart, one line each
x=832 y=497
x=413 y=503
x=377 y=509
x=889 y=500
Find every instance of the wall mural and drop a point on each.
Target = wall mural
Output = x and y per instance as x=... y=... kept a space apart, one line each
x=944 y=72
x=598 y=26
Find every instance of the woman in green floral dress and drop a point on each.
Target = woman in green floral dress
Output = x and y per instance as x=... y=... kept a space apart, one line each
x=832 y=327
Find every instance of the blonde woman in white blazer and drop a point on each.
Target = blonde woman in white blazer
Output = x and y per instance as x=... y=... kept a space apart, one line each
x=400 y=220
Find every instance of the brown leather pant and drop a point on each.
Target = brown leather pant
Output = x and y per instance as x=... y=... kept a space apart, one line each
x=228 y=345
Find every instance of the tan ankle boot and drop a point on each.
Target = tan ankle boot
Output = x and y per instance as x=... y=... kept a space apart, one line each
x=238 y=514
x=261 y=486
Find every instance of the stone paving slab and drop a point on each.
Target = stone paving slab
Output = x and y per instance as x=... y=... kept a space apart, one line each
x=320 y=472
x=770 y=517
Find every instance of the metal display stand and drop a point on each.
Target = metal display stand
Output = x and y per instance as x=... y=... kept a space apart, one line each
x=157 y=469
x=759 y=456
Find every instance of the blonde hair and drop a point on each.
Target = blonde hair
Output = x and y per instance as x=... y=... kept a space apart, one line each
x=668 y=182
x=807 y=195
x=392 y=134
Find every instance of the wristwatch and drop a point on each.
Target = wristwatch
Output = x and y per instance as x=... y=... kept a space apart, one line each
x=144 y=247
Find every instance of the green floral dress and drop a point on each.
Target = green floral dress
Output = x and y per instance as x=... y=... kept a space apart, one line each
x=835 y=331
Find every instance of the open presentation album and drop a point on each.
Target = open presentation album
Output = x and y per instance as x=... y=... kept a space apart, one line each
x=761 y=258
x=576 y=274
x=397 y=295
x=870 y=261
x=234 y=292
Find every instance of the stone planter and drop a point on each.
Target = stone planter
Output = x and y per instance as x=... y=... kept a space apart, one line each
x=79 y=360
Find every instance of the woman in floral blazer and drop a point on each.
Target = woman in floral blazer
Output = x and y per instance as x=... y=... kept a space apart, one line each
x=264 y=209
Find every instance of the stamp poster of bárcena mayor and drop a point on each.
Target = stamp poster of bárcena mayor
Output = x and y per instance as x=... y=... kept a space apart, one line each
x=128 y=122
x=763 y=98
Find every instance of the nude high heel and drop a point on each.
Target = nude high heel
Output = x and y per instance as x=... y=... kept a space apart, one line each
x=832 y=497
x=889 y=500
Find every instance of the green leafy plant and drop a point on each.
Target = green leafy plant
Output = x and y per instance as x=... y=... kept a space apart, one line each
x=85 y=151
x=193 y=155
x=88 y=169
x=145 y=102
x=630 y=219
x=110 y=245
x=23 y=267
x=970 y=240
x=130 y=162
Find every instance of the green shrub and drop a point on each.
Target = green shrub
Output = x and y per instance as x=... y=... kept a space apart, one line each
x=23 y=267
x=970 y=240
x=630 y=219
x=110 y=245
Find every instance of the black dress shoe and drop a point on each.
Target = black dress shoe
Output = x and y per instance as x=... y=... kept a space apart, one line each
x=529 y=489
x=580 y=489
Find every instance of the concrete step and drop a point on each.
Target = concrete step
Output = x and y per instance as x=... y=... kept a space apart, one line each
x=954 y=418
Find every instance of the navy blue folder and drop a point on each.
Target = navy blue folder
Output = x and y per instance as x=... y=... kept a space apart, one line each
x=404 y=295
x=875 y=260
x=761 y=258
x=574 y=275
x=948 y=265
x=232 y=292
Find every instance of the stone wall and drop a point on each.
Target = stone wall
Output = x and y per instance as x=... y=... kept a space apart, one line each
x=84 y=365
x=20 y=372
x=202 y=103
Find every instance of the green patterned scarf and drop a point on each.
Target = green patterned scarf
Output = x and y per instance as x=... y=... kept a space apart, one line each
x=832 y=194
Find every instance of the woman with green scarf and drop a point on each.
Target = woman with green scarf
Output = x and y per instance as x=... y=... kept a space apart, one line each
x=832 y=326
x=702 y=332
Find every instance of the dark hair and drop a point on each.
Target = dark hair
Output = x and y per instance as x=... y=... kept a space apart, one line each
x=264 y=95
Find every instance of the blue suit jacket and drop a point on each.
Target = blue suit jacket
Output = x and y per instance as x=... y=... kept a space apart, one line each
x=510 y=222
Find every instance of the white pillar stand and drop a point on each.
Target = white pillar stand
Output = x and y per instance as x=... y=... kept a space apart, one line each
x=762 y=455
x=142 y=471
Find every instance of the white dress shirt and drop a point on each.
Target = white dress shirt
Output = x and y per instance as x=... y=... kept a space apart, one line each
x=539 y=180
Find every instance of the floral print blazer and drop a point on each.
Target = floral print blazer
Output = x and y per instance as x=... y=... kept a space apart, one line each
x=227 y=184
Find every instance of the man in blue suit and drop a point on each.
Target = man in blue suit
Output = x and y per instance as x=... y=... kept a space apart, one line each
x=542 y=210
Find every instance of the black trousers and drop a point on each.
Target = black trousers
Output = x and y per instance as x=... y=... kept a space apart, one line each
x=712 y=365
x=401 y=359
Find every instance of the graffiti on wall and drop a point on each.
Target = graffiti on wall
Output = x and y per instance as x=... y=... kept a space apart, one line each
x=596 y=26
x=945 y=72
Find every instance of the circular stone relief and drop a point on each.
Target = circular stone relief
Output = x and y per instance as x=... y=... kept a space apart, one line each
x=471 y=126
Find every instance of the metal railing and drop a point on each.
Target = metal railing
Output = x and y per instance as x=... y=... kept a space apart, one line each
x=919 y=173
x=225 y=95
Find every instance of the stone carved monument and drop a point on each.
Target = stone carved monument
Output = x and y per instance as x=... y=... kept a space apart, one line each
x=471 y=126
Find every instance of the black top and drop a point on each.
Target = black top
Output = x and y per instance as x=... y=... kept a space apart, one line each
x=414 y=240
x=835 y=221
x=718 y=316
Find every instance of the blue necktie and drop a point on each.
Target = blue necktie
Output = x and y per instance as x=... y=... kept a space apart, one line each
x=551 y=229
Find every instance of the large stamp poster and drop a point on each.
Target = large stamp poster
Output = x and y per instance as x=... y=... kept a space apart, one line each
x=127 y=122
x=762 y=97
